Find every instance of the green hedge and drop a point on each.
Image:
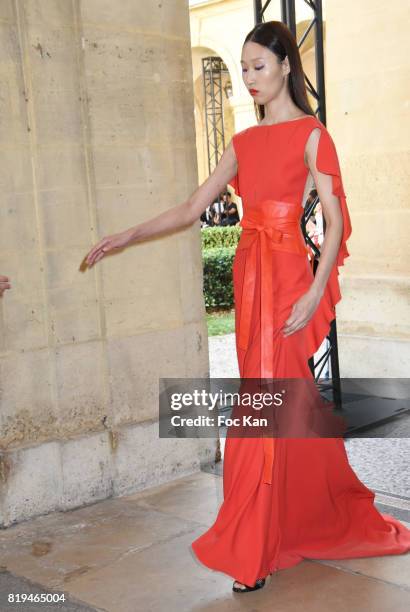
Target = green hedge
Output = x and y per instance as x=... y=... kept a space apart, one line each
x=218 y=251
x=218 y=287
x=220 y=236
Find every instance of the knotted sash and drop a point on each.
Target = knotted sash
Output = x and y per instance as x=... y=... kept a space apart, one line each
x=275 y=225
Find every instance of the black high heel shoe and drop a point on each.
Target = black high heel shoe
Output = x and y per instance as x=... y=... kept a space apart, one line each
x=258 y=585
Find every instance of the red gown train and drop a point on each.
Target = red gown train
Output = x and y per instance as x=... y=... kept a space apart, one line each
x=286 y=499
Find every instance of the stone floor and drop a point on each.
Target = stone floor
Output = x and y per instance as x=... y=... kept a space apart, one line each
x=132 y=554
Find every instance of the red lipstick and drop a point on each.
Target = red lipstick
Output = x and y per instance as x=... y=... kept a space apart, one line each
x=253 y=92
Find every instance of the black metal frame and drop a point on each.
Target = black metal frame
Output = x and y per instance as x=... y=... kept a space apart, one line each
x=212 y=69
x=288 y=16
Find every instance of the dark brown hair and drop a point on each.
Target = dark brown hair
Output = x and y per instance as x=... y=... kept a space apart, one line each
x=277 y=37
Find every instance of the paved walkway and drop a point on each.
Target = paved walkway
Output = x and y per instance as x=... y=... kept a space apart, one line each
x=132 y=554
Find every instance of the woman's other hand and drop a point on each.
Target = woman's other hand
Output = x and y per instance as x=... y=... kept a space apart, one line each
x=108 y=244
x=302 y=312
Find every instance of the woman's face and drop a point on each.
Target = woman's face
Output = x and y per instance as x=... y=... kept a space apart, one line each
x=262 y=73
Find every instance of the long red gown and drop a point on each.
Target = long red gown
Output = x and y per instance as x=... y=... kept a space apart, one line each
x=286 y=499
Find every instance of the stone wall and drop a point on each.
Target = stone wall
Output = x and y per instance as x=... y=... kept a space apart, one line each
x=96 y=135
x=367 y=102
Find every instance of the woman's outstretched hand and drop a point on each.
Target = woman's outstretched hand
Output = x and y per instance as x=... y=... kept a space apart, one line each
x=107 y=244
x=302 y=312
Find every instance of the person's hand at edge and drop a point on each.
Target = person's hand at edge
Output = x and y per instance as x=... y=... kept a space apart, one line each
x=4 y=284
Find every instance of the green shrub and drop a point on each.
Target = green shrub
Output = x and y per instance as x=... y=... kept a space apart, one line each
x=220 y=236
x=218 y=287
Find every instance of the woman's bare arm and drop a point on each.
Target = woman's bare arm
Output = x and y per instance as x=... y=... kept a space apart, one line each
x=332 y=213
x=177 y=217
x=305 y=307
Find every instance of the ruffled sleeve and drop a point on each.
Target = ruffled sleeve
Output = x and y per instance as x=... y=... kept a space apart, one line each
x=318 y=327
x=327 y=162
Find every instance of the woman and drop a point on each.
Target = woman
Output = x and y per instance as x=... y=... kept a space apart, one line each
x=284 y=499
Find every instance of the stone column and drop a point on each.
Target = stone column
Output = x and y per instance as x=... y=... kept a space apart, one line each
x=97 y=134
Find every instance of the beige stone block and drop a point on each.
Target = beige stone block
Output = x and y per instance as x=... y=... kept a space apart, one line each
x=28 y=412
x=379 y=243
x=140 y=110
x=60 y=167
x=66 y=222
x=133 y=15
x=18 y=222
x=368 y=183
x=135 y=365
x=51 y=13
x=57 y=115
x=361 y=264
x=87 y=470
x=121 y=166
x=24 y=324
x=375 y=306
x=63 y=268
x=154 y=95
x=116 y=109
x=129 y=112
x=127 y=316
x=177 y=116
x=15 y=170
x=120 y=208
x=196 y=349
x=6 y=11
x=34 y=482
x=134 y=274
x=179 y=69
x=388 y=50
x=8 y=45
x=24 y=269
x=14 y=126
x=74 y=314
x=349 y=109
x=183 y=189
x=115 y=114
x=141 y=288
x=191 y=274
x=137 y=467
x=81 y=387
x=53 y=55
x=175 y=19
x=112 y=55
x=184 y=172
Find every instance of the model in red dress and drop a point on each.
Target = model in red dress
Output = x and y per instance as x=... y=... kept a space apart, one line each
x=286 y=499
